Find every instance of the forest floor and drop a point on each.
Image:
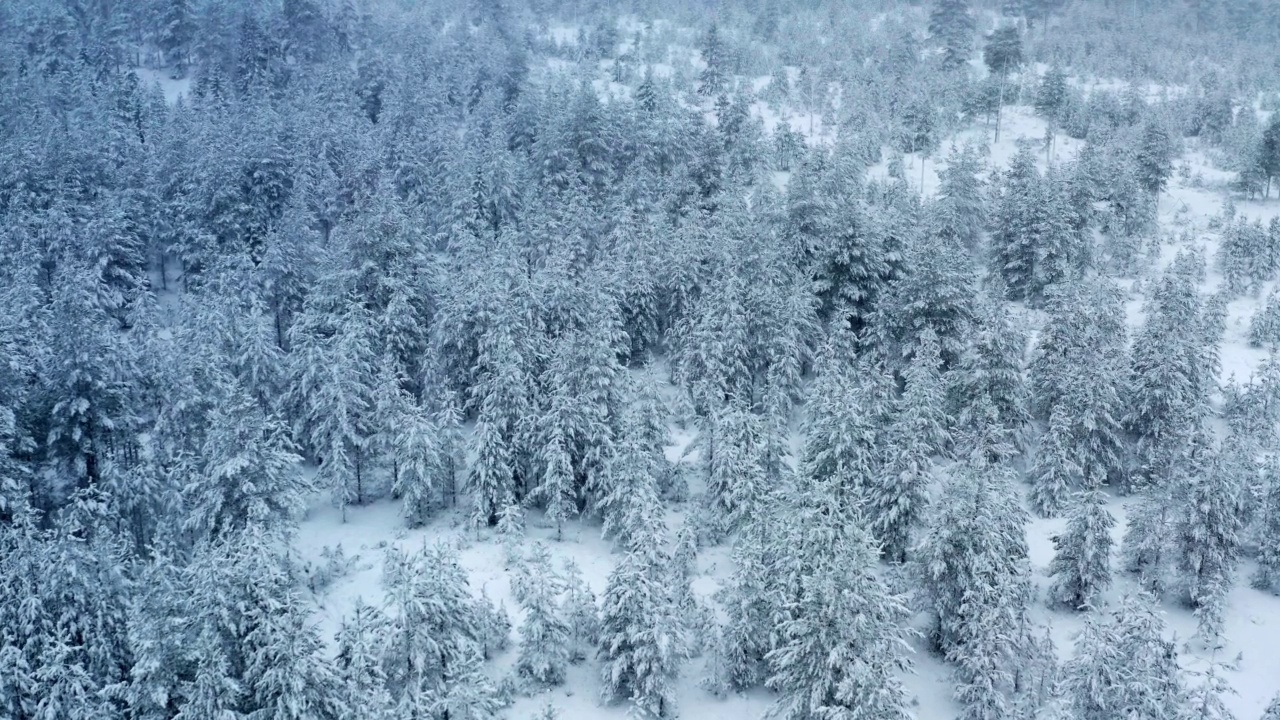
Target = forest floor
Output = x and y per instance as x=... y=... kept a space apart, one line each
x=1188 y=212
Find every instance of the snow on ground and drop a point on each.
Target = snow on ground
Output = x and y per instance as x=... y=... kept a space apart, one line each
x=173 y=88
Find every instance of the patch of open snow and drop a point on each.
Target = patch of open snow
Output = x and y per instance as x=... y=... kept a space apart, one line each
x=173 y=88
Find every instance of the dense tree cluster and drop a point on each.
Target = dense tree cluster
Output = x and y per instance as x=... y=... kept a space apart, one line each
x=445 y=255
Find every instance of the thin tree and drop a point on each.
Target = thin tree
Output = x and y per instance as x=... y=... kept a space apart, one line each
x=1003 y=55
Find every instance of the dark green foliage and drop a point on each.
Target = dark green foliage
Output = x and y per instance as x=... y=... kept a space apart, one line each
x=951 y=25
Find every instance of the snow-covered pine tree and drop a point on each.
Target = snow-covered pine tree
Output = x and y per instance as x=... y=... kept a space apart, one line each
x=975 y=584
x=558 y=486
x=581 y=614
x=960 y=195
x=988 y=392
x=1169 y=380
x=1154 y=157
x=642 y=644
x=1123 y=665
x=733 y=452
x=250 y=475
x=421 y=460
x=935 y=290
x=544 y=635
x=898 y=494
x=846 y=416
x=1057 y=472
x=1268 y=531
x=951 y=25
x=1147 y=548
x=1264 y=326
x=1081 y=565
x=842 y=639
x=334 y=357
x=435 y=627
x=1016 y=219
x=1208 y=530
x=361 y=680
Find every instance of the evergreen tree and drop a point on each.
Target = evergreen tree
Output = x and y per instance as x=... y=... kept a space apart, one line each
x=899 y=493
x=250 y=475
x=641 y=641
x=934 y=291
x=1154 y=157
x=951 y=25
x=544 y=636
x=581 y=615
x=1269 y=154
x=335 y=353
x=1002 y=55
x=1207 y=534
x=436 y=630
x=358 y=665
x=1268 y=574
x=1081 y=565
x=988 y=393
x=1124 y=666
x=846 y=416
x=1170 y=370
x=1057 y=472
x=962 y=206
x=838 y=652
x=975 y=584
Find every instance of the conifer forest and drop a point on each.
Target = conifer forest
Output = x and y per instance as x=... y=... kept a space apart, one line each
x=652 y=359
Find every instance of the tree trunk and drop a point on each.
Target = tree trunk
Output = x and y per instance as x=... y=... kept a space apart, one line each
x=999 y=108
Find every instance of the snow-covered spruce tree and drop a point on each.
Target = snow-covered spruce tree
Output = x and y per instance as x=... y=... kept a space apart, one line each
x=951 y=25
x=751 y=600
x=503 y=395
x=632 y=508
x=250 y=474
x=1170 y=369
x=1245 y=256
x=1264 y=326
x=975 y=584
x=1017 y=225
x=584 y=387
x=1268 y=532
x=960 y=196
x=988 y=393
x=1086 y=326
x=642 y=642
x=358 y=665
x=732 y=444
x=897 y=495
x=334 y=356
x=1057 y=472
x=557 y=485
x=544 y=636
x=935 y=290
x=1123 y=666
x=1208 y=532
x=1081 y=566
x=1147 y=550
x=1078 y=376
x=846 y=416
x=842 y=638
x=435 y=627
x=1153 y=159
x=421 y=460
x=581 y=614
